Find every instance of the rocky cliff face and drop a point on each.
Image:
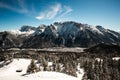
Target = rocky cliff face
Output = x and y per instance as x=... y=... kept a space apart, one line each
x=68 y=34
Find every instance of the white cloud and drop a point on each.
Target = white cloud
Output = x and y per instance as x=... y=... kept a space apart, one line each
x=21 y=9
x=51 y=13
x=54 y=11
x=67 y=10
x=41 y=16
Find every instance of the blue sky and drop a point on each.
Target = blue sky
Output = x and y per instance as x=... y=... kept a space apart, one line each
x=15 y=13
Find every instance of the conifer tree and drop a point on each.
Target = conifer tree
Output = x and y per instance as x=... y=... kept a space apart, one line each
x=32 y=67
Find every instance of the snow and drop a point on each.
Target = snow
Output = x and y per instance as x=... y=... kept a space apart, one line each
x=81 y=28
x=66 y=28
x=42 y=30
x=98 y=59
x=116 y=58
x=18 y=32
x=113 y=34
x=28 y=31
x=8 y=72
x=61 y=49
x=118 y=31
x=39 y=30
x=80 y=72
x=70 y=28
x=50 y=76
x=93 y=29
x=15 y=65
x=50 y=63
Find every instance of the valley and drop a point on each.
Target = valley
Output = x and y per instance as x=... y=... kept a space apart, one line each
x=62 y=50
x=58 y=62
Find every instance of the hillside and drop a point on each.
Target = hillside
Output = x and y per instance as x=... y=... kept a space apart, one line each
x=8 y=72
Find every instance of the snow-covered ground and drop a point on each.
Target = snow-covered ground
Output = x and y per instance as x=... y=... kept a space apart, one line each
x=114 y=58
x=8 y=72
x=76 y=49
x=18 y=32
x=57 y=49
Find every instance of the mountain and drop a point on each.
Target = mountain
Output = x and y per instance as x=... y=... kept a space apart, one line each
x=66 y=34
x=104 y=49
x=39 y=29
x=8 y=40
x=27 y=28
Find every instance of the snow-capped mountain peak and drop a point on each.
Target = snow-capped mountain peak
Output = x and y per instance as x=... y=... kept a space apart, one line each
x=39 y=29
x=27 y=28
x=68 y=34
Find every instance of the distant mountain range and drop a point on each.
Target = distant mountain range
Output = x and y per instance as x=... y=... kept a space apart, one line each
x=65 y=34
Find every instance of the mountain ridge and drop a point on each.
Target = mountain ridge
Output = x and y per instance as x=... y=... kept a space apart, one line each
x=66 y=34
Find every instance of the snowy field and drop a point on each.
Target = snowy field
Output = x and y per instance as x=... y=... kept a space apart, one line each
x=61 y=49
x=8 y=72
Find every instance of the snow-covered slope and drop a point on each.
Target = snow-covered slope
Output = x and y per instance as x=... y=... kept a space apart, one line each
x=28 y=30
x=9 y=72
x=64 y=28
x=68 y=34
x=73 y=28
x=39 y=29
x=10 y=69
x=18 y=32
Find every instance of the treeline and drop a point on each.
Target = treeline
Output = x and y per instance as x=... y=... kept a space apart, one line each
x=96 y=66
x=102 y=69
x=6 y=58
x=60 y=63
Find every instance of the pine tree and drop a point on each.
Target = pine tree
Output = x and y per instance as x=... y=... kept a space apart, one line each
x=45 y=64
x=32 y=67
